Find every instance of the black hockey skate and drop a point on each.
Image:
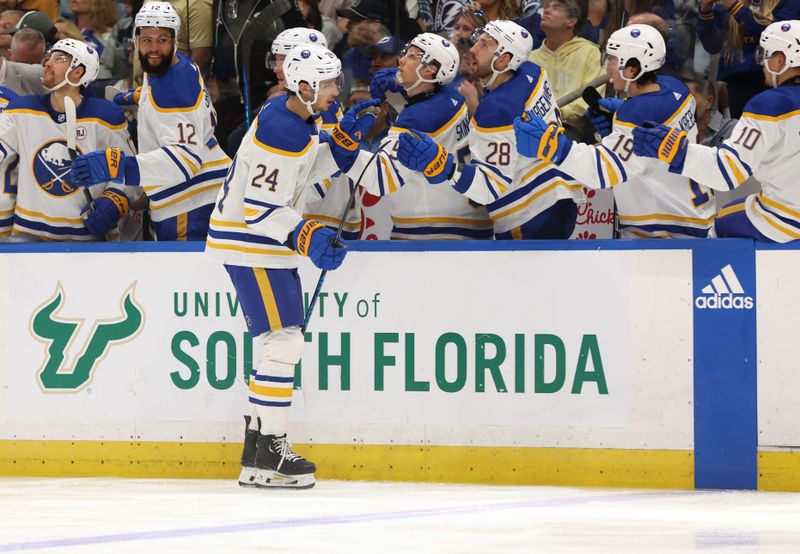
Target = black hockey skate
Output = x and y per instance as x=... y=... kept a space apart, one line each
x=247 y=476
x=278 y=466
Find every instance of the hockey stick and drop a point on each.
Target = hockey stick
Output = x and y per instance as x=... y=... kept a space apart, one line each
x=72 y=141
x=578 y=93
x=336 y=242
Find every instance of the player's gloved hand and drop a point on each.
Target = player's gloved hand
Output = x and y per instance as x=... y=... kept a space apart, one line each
x=350 y=131
x=311 y=238
x=108 y=209
x=383 y=81
x=421 y=153
x=102 y=166
x=602 y=122
x=123 y=98
x=537 y=139
x=664 y=143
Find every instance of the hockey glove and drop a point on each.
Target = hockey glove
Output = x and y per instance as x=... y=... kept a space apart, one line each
x=602 y=122
x=537 y=139
x=127 y=98
x=311 y=238
x=419 y=152
x=659 y=141
x=383 y=81
x=102 y=166
x=108 y=209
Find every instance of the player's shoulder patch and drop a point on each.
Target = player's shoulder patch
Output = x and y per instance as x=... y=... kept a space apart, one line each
x=432 y=114
x=34 y=102
x=102 y=109
x=280 y=130
x=774 y=103
x=179 y=88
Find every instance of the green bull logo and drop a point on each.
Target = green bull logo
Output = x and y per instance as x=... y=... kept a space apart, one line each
x=59 y=333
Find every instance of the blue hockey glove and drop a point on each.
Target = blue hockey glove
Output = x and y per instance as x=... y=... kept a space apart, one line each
x=102 y=166
x=602 y=122
x=108 y=209
x=537 y=139
x=383 y=81
x=664 y=143
x=421 y=153
x=311 y=238
x=128 y=98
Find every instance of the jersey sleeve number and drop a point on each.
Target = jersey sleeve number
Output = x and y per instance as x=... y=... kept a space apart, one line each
x=500 y=153
x=263 y=179
x=624 y=148
x=698 y=196
x=187 y=134
x=748 y=137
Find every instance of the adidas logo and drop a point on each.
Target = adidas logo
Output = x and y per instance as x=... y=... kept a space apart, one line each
x=677 y=95
x=530 y=79
x=725 y=292
x=454 y=101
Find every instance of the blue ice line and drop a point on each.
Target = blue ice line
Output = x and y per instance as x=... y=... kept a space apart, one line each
x=336 y=520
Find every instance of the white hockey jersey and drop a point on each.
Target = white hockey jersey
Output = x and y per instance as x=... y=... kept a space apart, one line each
x=651 y=201
x=181 y=165
x=765 y=143
x=419 y=210
x=514 y=188
x=8 y=177
x=326 y=200
x=48 y=207
x=264 y=193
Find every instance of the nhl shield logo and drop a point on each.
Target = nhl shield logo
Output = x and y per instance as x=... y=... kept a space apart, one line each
x=51 y=167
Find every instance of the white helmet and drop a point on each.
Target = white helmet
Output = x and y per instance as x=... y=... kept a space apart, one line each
x=440 y=51
x=637 y=42
x=290 y=38
x=511 y=38
x=82 y=54
x=157 y=14
x=310 y=63
x=781 y=36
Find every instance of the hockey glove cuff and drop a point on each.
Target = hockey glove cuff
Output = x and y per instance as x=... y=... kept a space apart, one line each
x=419 y=152
x=664 y=143
x=537 y=139
x=108 y=209
x=311 y=238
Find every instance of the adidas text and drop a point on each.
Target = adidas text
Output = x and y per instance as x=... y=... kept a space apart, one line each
x=724 y=302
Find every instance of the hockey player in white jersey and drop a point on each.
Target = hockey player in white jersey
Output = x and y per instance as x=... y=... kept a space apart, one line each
x=8 y=177
x=526 y=198
x=418 y=210
x=48 y=204
x=325 y=200
x=180 y=167
x=651 y=201
x=765 y=143
x=258 y=232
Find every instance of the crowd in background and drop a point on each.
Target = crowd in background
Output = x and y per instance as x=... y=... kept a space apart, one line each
x=711 y=45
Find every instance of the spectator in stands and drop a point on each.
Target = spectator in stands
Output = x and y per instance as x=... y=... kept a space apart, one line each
x=569 y=61
x=385 y=53
x=320 y=21
x=95 y=19
x=27 y=46
x=365 y=27
x=24 y=78
x=67 y=29
x=439 y=16
x=463 y=29
x=196 y=38
x=51 y=8
x=732 y=28
x=712 y=126
x=8 y=20
x=499 y=9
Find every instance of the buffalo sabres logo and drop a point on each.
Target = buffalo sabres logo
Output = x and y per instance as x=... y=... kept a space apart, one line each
x=51 y=167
